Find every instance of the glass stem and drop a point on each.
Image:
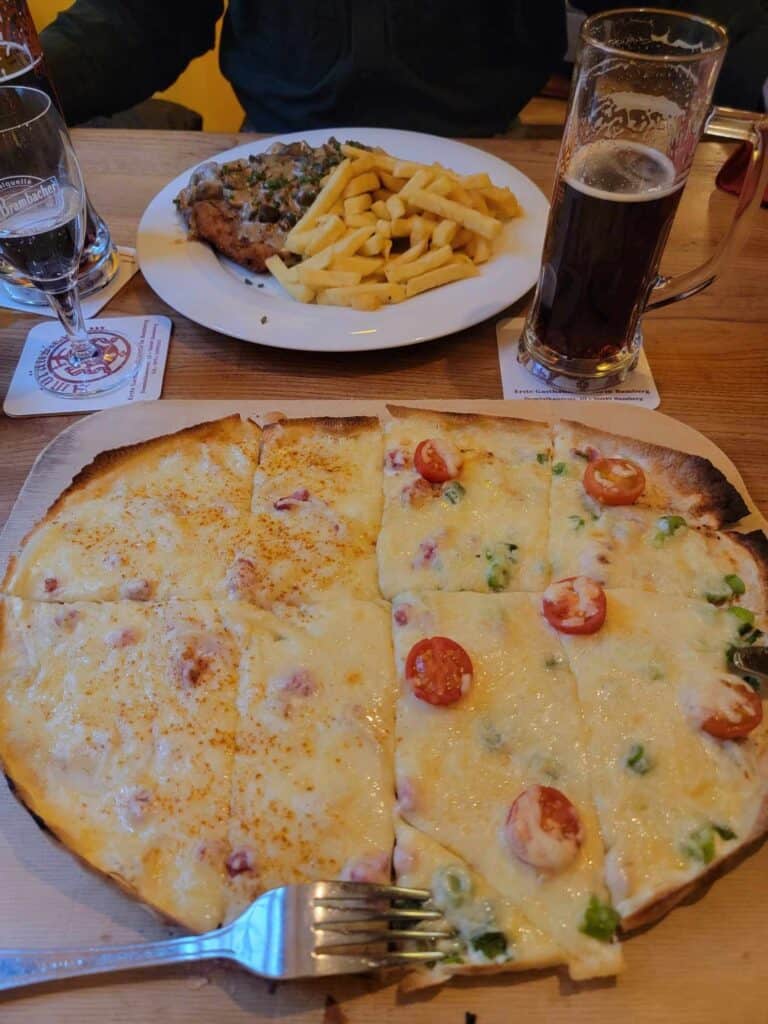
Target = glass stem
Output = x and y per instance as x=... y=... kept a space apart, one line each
x=67 y=307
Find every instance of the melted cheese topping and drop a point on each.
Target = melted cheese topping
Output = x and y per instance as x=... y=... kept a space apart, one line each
x=715 y=696
x=127 y=765
x=324 y=545
x=655 y=659
x=486 y=536
x=629 y=546
x=464 y=780
x=421 y=862
x=312 y=783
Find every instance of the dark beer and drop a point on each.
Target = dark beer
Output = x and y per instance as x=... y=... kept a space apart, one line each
x=19 y=67
x=610 y=218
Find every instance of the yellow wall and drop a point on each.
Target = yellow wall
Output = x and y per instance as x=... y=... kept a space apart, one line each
x=201 y=87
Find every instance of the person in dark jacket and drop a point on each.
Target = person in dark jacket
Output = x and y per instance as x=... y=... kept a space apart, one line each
x=456 y=67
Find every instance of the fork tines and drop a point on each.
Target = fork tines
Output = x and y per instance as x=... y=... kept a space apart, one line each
x=355 y=916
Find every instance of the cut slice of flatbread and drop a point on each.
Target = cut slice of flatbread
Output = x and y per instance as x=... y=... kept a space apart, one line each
x=312 y=783
x=158 y=520
x=643 y=548
x=675 y=482
x=516 y=731
x=117 y=726
x=492 y=933
x=316 y=511
x=485 y=528
x=134 y=549
x=673 y=800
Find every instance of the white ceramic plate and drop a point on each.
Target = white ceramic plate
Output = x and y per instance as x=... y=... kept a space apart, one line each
x=212 y=291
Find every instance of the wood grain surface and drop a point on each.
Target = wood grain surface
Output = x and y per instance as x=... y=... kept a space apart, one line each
x=710 y=358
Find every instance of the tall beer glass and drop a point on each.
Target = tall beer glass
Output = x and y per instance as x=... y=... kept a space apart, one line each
x=42 y=230
x=22 y=63
x=640 y=100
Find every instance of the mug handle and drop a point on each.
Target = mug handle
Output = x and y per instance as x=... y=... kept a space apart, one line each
x=725 y=123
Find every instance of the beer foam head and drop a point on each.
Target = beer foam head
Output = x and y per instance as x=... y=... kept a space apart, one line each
x=622 y=171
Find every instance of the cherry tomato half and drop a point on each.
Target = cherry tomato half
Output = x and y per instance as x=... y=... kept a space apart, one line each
x=614 y=481
x=544 y=829
x=739 y=712
x=575 y=605
x=438 y=670
x=437 y=460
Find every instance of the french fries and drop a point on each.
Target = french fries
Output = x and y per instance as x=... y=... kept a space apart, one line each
x=382 y=230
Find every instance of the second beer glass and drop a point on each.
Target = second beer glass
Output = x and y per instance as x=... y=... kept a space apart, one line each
x=641 y=98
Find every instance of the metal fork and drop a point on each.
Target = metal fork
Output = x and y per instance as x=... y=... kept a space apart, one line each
x=297 y=931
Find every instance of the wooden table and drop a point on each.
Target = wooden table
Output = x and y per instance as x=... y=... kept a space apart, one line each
x=709 y=354
x=710 y=358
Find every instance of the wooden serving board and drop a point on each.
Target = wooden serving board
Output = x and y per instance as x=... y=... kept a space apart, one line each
x=703 y=963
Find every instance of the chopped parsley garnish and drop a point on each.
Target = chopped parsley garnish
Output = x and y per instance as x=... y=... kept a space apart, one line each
x=273 y=184
x=716 y=599
x=559 y=469
x=736 y=584
x=600 y=920
x=553 y=661
x=542 y=458
x=490 y=944
x=637 y=760
x=454 y=492
x=576 y=522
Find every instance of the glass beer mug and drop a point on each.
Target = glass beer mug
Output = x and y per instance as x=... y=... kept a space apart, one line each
x=640 y=100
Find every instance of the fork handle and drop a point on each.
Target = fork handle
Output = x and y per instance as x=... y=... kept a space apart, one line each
x=30 y=966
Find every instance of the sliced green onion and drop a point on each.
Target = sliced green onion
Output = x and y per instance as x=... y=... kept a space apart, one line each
x=700 y=845
x=637 y=760
x=454 y=492
x=736 y=583
x=744 y=615
x=559 y=469
x=498 y=576
x=451 y=886
x=491 y=944
x=724 y=832
x=600 y=920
